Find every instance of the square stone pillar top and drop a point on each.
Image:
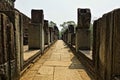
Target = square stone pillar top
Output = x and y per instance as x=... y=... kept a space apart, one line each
x=46 y=23
x=83 y=11
x=51 y=29
x=37 y=16
x=84 y=18
x=56 y=28
x=71 y=28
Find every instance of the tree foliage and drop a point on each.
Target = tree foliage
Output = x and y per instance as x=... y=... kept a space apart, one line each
x=66 y=24
x=52 y=24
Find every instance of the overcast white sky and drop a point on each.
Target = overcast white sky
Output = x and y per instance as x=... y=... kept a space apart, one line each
x=60 y=11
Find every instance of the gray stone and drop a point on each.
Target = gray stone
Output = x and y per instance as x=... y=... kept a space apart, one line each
x=83 y=39
x=34 y=36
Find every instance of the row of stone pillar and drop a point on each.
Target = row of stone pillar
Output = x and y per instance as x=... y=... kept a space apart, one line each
x=11 y=40
x=69 y=35
x=106 y=43
x=40 y=34
x=16 y=29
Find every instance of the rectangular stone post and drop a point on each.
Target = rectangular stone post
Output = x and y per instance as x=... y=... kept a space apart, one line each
x=69 y=38
x=70 y=32
x=46 y=32
x=17 y=36
x=51 y=34
x=82 y=30
x=21 y=41
x=48 y=36
x=36 y=32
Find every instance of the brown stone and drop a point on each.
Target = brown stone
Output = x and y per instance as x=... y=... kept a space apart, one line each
x=34 y=39
x=83 y=39
x=116 y=42
x=3 y=25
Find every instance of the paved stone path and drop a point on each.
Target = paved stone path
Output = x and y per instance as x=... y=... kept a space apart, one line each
x=58 y=63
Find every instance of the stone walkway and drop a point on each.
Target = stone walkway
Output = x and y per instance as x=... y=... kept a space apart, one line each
x=58 y=63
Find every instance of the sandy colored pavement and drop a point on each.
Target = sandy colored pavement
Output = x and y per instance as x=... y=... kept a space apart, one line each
x=58 y=63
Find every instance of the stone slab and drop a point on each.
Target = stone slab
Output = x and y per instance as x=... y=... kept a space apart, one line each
x=45 y=70
x=64 y=73
x=57 y=63
x=43 y=77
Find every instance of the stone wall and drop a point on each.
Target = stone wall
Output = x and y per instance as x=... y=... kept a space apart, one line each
x=106 y=46
x=7 y=49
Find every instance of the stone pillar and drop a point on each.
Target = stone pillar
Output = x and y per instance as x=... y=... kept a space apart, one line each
x=46 y=32
x=21 y=41
x=82 y=30
x=18 y=47
x=70 y=32
x=48 y=36
x=51 y=34
x=4 y=70
x=56 y=33
x=36 y=32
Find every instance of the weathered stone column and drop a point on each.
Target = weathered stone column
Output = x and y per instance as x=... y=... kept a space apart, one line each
x=56 y=33
x=36 y=32
x=48 y=36
x=70 y=32
x=51 y=34
x=46 y=32
x=18 y=47
x=82 y=30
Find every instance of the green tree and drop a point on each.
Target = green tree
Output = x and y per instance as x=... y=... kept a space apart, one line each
x=52 y=24
x=66 y=24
